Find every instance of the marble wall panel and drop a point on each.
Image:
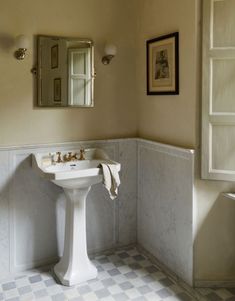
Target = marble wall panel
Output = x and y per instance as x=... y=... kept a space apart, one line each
x=128 y=192
x=165 y=205
x=4 y=214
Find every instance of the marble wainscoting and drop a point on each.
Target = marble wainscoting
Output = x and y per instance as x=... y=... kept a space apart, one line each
x=165 y=205
x=32 y=209
x=154 y=207
x=4 y=213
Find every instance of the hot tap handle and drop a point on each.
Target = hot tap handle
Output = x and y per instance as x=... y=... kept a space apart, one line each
x=82 y=152
x=59 y=160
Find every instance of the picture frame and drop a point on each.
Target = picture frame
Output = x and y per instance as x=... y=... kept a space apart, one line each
x=163 y=65
x=54 y=56
x=57 y=90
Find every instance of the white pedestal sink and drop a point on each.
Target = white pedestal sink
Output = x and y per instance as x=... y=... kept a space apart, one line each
x=76 y=178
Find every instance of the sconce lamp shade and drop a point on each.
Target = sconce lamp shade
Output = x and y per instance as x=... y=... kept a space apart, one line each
x=22 y=41
x=110 y=49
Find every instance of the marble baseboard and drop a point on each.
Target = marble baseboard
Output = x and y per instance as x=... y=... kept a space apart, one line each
x=214 y=284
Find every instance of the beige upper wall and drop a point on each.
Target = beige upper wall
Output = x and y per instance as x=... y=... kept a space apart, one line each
x=169 y=119
x=119 y=87
x=214 y=245
x=115 y=111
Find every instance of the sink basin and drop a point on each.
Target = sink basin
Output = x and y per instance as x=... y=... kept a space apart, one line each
x=76 y=178
x=74 y=174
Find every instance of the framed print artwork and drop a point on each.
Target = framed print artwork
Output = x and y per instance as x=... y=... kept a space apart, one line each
x=57 y=90
x=54 y=56
x=163 y=65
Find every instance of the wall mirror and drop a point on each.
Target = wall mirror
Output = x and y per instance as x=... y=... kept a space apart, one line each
x=65 y=72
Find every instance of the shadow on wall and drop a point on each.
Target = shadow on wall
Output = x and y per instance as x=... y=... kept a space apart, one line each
x=6 y=42
x=215 y=243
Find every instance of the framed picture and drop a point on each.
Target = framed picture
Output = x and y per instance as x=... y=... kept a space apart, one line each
x=163 y=65
x=54 y=56
x=57 y=90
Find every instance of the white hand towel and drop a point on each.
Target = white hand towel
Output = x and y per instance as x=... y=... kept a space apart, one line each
x=111 y=179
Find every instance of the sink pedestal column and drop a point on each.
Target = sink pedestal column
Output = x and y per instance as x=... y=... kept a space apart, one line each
x=75 y=266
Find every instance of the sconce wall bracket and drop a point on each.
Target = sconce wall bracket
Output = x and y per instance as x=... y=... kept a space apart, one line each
x=20 y=53
x=107 y=59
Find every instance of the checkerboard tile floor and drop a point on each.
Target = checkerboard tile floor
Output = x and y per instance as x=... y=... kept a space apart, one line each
x=122 y=275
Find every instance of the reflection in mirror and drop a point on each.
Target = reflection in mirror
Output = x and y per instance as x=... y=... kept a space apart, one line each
x=65 y=72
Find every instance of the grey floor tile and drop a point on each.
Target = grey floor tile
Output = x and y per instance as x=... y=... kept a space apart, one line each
x=184 y=297
x=142 y=298
x=135 y=266
x=139 y=257
x=123 y=255
x=144 y=289
x=99 y=268
x=148 y=279
x=163 y=293
x=102 y=293
x=119 y=263
x=131 y=275
x=24 y=289
x=35 y=278
x=40 y=293
x=120 y=297
x=50 y=282
x=84 y=289
x=103 y=260
x=58 y=297
x=108 y=282
x=126 y=285
x=8 y=286
x=113 y=272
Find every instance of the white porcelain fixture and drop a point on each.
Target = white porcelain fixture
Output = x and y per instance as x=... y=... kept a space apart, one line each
x=76 y=178
x=110 y=51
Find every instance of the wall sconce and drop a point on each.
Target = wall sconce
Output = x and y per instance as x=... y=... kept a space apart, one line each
x=22 y=43
x=110 y=51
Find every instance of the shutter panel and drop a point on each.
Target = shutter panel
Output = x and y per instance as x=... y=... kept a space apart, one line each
x=79 y=77
x=218 y=90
